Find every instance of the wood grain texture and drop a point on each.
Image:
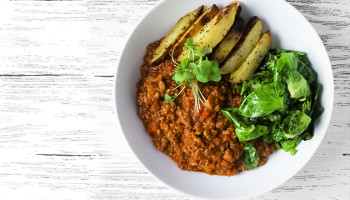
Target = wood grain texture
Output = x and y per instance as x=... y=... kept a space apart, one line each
x=58 y=134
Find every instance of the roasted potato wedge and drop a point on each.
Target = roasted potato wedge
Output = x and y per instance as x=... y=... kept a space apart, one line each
x=252 y=62
x=245 y=45
x=230 y=40
x=215 y=30
x=233 y=2
x=169 y=40
x=204 y=18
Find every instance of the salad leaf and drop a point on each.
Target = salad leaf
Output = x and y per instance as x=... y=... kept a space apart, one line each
x=293 y=125
x=281 y=64
x=287 y=61
x=307 y=72
x=316 y=108
x=252 y=132
x=250 y=156
x=297 y=85
x=305 y=69
x=308 y=133
x=256 y=81
x=273 y=117
x=306 y=106
x=263 y=101
x=272 y=121
x=277 y=135
x=244 y=130
x=290 y=145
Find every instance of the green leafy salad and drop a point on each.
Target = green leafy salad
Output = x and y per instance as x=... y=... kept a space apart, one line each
x=280 y=103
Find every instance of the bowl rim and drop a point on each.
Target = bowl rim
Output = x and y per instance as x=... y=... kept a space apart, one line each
x=121 y=129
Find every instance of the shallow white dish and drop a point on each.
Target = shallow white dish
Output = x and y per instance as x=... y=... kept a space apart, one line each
x=290 y=30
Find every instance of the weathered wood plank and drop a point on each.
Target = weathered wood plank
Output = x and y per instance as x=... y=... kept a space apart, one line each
x=57 y=124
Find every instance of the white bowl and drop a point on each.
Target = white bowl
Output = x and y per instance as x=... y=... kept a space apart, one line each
x=290 y=30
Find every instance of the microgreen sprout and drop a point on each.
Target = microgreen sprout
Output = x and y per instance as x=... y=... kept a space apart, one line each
x=192 y=69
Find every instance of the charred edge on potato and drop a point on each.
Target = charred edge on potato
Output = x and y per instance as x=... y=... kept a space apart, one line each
x=251 y=23
x=197 y=13
x=236 y=29
x=227 y=10
x=252 y=62
x=239 y=26
x=195 y=28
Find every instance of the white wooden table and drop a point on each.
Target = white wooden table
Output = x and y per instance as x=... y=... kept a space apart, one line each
x=58 y=132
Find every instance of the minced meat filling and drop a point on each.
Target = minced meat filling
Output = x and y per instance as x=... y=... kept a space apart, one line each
x=202 y=140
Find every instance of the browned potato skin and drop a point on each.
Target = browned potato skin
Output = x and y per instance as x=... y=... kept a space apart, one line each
x=215 y=30
x=245 y=45
x=252 y=62
x=176 y=32
x=233 y=2
x=204 y=18
x=230 y=40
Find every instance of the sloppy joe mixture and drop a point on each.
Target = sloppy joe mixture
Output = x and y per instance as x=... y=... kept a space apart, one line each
x=197 y=140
